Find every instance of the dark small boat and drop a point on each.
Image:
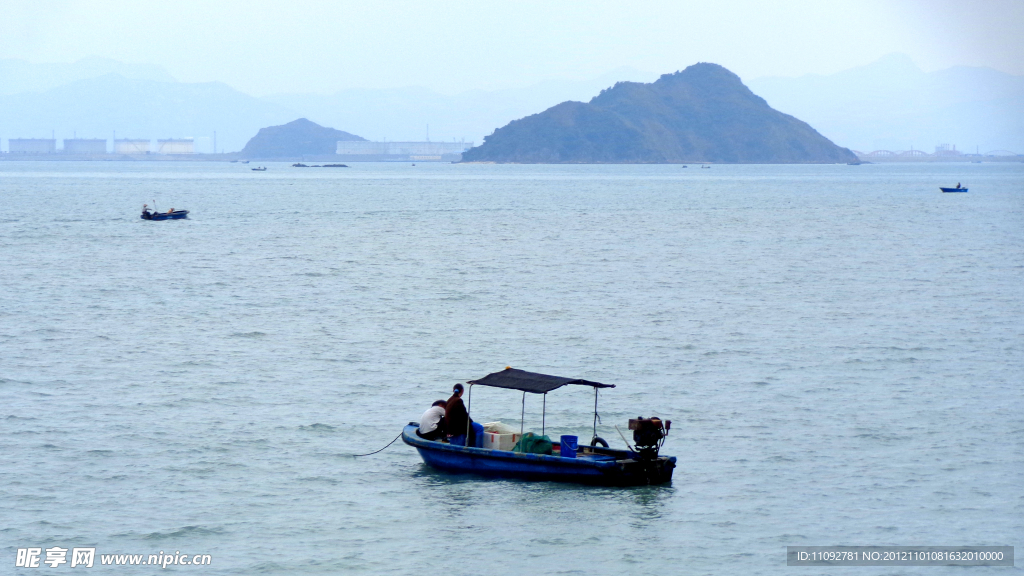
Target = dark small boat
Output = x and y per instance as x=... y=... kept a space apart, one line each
x=953 y=189
x=260 y=169
x=175 y=215
x=639 y=465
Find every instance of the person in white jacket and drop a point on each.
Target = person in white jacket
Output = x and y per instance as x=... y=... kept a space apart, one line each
x=432 y=422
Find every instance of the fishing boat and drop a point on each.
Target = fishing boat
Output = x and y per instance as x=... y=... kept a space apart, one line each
x=958 y=189
x=639 y=464
x=260 y=169
x=172 y=215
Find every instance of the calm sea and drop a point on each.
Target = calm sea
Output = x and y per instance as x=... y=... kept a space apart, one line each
x=840 y=349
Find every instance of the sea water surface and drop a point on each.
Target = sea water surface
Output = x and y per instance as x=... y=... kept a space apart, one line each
x=840 y=349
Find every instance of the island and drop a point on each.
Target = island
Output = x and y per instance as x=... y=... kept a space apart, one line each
x=701 y=114
x=295 y=139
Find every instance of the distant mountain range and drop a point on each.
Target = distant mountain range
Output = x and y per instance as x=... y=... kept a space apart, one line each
x=139 y=108
x=18 y=76
x=892 y=105
x=889 y=104
x=405 y=113
x=701 y=114
x=95 y=97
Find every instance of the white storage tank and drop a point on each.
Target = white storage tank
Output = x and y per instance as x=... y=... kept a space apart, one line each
x=176 y=146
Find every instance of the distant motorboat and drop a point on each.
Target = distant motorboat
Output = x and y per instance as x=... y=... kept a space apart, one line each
x=953 y=189
x=260 y=169
x=705 y=166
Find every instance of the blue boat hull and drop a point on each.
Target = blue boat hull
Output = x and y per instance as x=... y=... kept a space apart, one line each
x=591 y=466
x=176 y=215
x=953 y=189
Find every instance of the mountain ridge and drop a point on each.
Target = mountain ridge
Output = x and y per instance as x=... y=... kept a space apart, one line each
x=701 y=114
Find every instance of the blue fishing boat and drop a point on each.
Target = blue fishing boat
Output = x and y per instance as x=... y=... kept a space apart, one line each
x=169 y=215
x=957 y=189
x=639 y=464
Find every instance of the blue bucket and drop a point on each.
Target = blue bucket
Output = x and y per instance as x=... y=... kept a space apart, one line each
x=569 y=445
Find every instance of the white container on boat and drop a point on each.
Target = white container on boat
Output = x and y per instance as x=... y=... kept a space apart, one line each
x=498 y=436
x=496 y=441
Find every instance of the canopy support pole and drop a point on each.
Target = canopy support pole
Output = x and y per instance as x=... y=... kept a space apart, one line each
x=595 y=412
x=522 y=421
x=468 y=408
x=544 y=414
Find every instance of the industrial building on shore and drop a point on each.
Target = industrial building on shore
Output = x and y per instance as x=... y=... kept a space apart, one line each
x=85 y=147
x=32 y=145
x=364 y=151
x=129 y=146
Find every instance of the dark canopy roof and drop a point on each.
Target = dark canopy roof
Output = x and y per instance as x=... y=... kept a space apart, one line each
x=531 y=381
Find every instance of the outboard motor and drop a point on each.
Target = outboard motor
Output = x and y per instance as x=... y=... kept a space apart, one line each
x=649 y=435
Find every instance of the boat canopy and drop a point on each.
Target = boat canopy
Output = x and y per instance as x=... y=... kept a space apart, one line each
x=532 y=381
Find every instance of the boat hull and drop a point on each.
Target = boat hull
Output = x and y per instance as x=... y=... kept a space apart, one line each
x=953 y=189
x=176 y=215
x=591 y=466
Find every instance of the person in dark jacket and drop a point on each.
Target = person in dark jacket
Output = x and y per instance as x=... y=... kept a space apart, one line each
x=457 y=421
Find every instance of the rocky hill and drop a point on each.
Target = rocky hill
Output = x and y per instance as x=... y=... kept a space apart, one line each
x=295 y=139
x=701 y=114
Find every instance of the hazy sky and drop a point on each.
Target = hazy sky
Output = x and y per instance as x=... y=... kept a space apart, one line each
x=452 y=46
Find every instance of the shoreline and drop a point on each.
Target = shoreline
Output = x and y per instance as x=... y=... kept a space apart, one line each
x=236 y=157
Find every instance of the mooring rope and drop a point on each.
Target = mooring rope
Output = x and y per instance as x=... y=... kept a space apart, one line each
x=381 y=450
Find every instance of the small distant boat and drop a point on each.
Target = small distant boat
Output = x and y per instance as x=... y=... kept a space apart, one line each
x=705 y=166
x=173 y=215
x=245 y=161
x=260 y=169
x=953 y=189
